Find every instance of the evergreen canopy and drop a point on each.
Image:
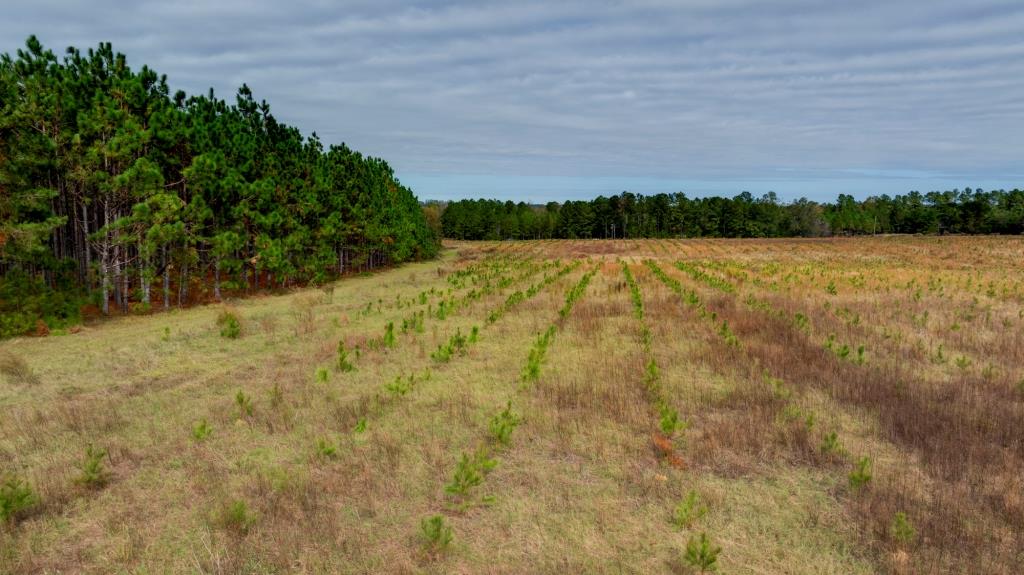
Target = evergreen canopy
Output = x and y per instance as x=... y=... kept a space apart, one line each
x=109 y=184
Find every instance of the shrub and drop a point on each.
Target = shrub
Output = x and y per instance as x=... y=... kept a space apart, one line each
x=325 y=449
x=93 y=474
x=470 y=472
x=230 y=327
x=670 y=422
x=400 y=386
x=389 y=335
x=901 y=530
x=689 y=510
x=16 y=498
x=437 y=536
x=322 y=375
x=244 y=403
x=503 y=424
x=16 y=370
x=236 y=516
x=201 y=430
x=27 y=302
x=861 y=474
x=701 y=554
x=343 y=363
x=830 y=444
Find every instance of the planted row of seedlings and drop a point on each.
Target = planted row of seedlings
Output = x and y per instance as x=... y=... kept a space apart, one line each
x=473 y=466
x=326 y=448
x=944 y=347
x=699 y=553
x=456 y=346
x=943 y=422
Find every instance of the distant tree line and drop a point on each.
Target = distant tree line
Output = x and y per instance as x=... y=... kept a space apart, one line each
x=629 y=215
x=113 y=187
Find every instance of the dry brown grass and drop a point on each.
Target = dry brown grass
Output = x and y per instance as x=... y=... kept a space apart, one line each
x=336 y=475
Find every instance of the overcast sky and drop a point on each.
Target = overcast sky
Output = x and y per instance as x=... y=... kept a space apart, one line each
x=558 y=100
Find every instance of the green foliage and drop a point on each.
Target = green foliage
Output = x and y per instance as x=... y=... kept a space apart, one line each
x=360 y=426
x=325 y=448
x=389 y=335
x=531 y=371
x=455 y=345
x=236 y=516
x=701 y=555
x=634 y=292
x=470 y=472
x=229 y=325
x=400 y=386
x=503 y=424
x=322 y=374
x=436 y=534
x=674 y=215
x=215 y=193
x=201 y=430
x=689 y=510
x=92 y=472
x=830 y=444
x=244 y=404
x=861 y=474
x=669 y=420
x=26 y=301
x=343 y=364
x=16 y=498
x=901 y=530
x=710 y=280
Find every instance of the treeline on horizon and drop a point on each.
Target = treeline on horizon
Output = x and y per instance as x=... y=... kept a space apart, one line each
x=113 y=189
x=629 y=215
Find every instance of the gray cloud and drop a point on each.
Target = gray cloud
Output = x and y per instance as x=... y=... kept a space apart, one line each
x=705 y=90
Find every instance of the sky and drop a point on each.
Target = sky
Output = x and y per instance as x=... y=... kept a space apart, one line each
x=556 y=100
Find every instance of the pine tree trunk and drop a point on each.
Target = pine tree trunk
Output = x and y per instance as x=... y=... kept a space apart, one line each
x=216 y=279
x=105 y=264
x=167 y=280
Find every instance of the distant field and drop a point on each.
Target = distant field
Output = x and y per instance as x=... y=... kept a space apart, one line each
x=806 y=406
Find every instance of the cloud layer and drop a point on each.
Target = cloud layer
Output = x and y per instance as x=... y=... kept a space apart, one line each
x=788 y=95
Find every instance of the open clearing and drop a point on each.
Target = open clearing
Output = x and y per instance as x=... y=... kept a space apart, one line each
x=810 y=406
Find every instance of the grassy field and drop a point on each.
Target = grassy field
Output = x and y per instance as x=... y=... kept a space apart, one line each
x=803 y=406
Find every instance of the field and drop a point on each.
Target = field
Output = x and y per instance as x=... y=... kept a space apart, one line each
x=805 y=406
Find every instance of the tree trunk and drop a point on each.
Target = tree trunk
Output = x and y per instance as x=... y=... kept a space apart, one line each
x=216 y=279
x=105 y=262
x=167 y=280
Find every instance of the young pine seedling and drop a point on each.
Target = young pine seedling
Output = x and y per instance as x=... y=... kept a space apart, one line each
x=322 y=375
x=901 y=530
x=437 y=536
x=470 y=472
x=861 y=474
x=701 y=555
x=343 y=364
x=503 y=424
x=201 y=430
x=325 y=449
x=689 y=510
x=244 y=404
x=93 y=474
x=16 y=498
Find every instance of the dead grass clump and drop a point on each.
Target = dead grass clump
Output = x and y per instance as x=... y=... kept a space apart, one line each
x=16 y=370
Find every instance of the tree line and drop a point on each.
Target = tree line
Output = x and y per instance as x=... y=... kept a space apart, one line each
x=112 y=187
x=629 y=215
